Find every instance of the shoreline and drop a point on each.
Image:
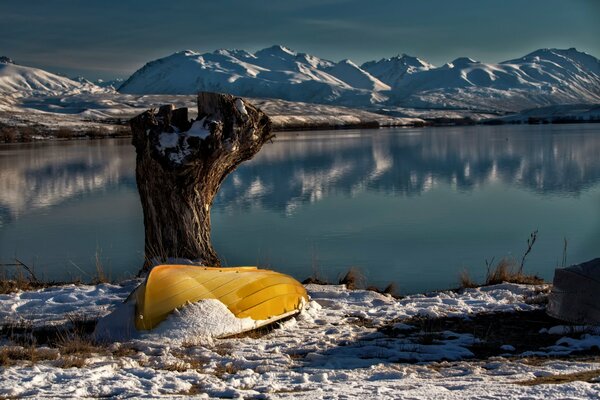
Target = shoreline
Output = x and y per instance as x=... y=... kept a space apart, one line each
x=110 y=133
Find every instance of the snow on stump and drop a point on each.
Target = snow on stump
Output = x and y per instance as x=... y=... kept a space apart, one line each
x=574 y=297
x=180 y=165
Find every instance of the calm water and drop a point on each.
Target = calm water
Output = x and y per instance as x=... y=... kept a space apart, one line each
x=413 y=206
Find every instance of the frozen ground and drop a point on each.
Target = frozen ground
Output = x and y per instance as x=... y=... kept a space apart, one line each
x=345 y=344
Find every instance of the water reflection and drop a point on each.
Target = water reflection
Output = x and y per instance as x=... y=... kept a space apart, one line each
x=36 y=176
x=307 y=167
x=558 y=160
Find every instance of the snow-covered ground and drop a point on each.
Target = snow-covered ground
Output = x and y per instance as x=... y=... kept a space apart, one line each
x=345 y=344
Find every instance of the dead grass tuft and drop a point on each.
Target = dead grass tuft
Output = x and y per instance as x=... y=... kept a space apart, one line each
x=10 y=355
x=508 y=271
x=194 y=390
x=74 y=361
x=190 y=362
x=465 y=280
x=124 y=351
x=505 y=271
x=314 y=281
x=353 y=279
x=101 y=276
x=177 y=366
x=583 y=376
x=227 y=369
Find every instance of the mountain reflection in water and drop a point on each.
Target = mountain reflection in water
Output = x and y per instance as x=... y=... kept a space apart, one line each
x=310 y=166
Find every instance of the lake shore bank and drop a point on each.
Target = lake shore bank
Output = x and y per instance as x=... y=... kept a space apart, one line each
x=37 y=122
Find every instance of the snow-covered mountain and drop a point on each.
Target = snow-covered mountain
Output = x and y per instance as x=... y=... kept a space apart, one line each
x=544 y=77
x=20 y=81
x=392 y=70
x=275 y=72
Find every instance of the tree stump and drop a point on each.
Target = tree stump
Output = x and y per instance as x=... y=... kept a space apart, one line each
x=180 y=165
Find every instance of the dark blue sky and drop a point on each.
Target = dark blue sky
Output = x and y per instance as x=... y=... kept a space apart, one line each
x=112 y=38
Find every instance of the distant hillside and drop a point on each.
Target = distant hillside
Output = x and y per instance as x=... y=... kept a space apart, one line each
x=19 y=80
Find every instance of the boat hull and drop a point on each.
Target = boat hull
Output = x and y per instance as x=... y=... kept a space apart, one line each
x=263 y=295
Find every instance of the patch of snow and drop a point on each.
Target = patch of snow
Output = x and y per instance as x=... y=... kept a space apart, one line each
x=239 y=105
x=196 y=321
x=198 y=129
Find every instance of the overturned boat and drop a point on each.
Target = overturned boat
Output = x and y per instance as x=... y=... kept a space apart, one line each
x=251 y=294
x=248 y=292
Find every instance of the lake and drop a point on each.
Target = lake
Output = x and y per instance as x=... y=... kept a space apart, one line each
x=411 y=206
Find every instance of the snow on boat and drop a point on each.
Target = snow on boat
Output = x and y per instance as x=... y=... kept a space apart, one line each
x=263 y=295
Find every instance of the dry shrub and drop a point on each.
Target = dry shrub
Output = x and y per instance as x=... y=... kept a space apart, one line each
x=98 y=133
x=194 y=390
x=222 y=370
x=466 y=281
x=505 y=271
x=75 y=361
x=10 y=283
x=353 y=279
x=124 y=351
x=314 y=281
x=65 y=133
x=8 y=134
x=27 y=133
x=76 y=344
x=391 y=289
x=10 y=355
x=101 y=276
x=508 y=271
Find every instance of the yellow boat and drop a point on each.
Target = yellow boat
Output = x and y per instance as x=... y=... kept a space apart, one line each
x=260 y=294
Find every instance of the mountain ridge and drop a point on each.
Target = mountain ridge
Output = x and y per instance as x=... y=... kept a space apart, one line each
x=541 y=78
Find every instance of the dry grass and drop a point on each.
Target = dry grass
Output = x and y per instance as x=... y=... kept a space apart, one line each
x=101 y=276
x=583 y=376
x=508 y=271
x=314 y=281
x=194 y=390
x=75 y=361
x=505 y=271
x=79 y=343
x=8 y=134
x=10 y=355
x=189 y=361
x=466 y=281
x=124 y=351
x=227 y=369
x=66 y=133
x=353 y=279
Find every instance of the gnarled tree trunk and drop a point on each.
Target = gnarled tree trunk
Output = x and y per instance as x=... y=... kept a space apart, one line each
x=180 y=165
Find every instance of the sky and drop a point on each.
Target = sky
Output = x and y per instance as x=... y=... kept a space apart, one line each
x=113 y=38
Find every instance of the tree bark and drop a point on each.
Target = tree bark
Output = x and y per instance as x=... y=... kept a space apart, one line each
x=180 y=165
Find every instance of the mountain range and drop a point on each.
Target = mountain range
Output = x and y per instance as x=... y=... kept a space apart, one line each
x=544 y=77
